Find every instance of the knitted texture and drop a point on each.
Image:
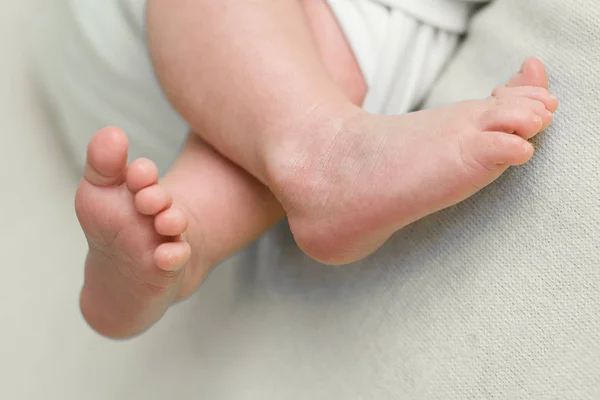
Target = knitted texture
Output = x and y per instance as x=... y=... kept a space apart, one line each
x=497 y=298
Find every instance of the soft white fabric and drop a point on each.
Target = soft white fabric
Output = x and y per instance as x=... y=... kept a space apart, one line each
x=401 y=45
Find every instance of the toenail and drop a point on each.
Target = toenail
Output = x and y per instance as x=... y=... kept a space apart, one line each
x=538 y=120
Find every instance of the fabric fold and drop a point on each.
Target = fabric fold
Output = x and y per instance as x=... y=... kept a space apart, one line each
x=402 y=45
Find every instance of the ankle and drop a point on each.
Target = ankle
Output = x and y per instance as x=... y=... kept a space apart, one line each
x=292 y=159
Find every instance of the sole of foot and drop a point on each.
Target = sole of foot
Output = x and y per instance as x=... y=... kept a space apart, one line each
x=137 y=255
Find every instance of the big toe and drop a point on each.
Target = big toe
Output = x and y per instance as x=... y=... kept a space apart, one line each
x=532 y=73
x=497 y=149
x=107 y=158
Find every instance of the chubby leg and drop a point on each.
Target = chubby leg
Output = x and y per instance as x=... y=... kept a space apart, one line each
x=139 y=260
x=335 y=51
x=227 y=208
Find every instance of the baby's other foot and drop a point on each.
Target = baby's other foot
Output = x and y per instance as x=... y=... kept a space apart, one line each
x=136 y=253
x=350 y=189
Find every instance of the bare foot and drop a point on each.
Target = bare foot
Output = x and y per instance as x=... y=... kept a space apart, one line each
x=136 y=254
x=348 y=189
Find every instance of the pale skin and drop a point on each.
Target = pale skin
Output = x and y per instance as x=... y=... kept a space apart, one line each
x=279 y=133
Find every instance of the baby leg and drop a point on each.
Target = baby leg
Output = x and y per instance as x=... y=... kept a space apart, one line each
x=139 y=261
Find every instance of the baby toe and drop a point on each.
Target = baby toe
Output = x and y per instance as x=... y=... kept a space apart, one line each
x=141 y=174
x=152 y=200
x=534 y=106
x=512 y=118
x=172 y=256
x=531 y=92
x=491 y=150
x=532 y=73
x=171 y=222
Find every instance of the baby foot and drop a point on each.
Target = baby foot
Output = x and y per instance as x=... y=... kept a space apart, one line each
x=136 y=253
x=346 y=193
